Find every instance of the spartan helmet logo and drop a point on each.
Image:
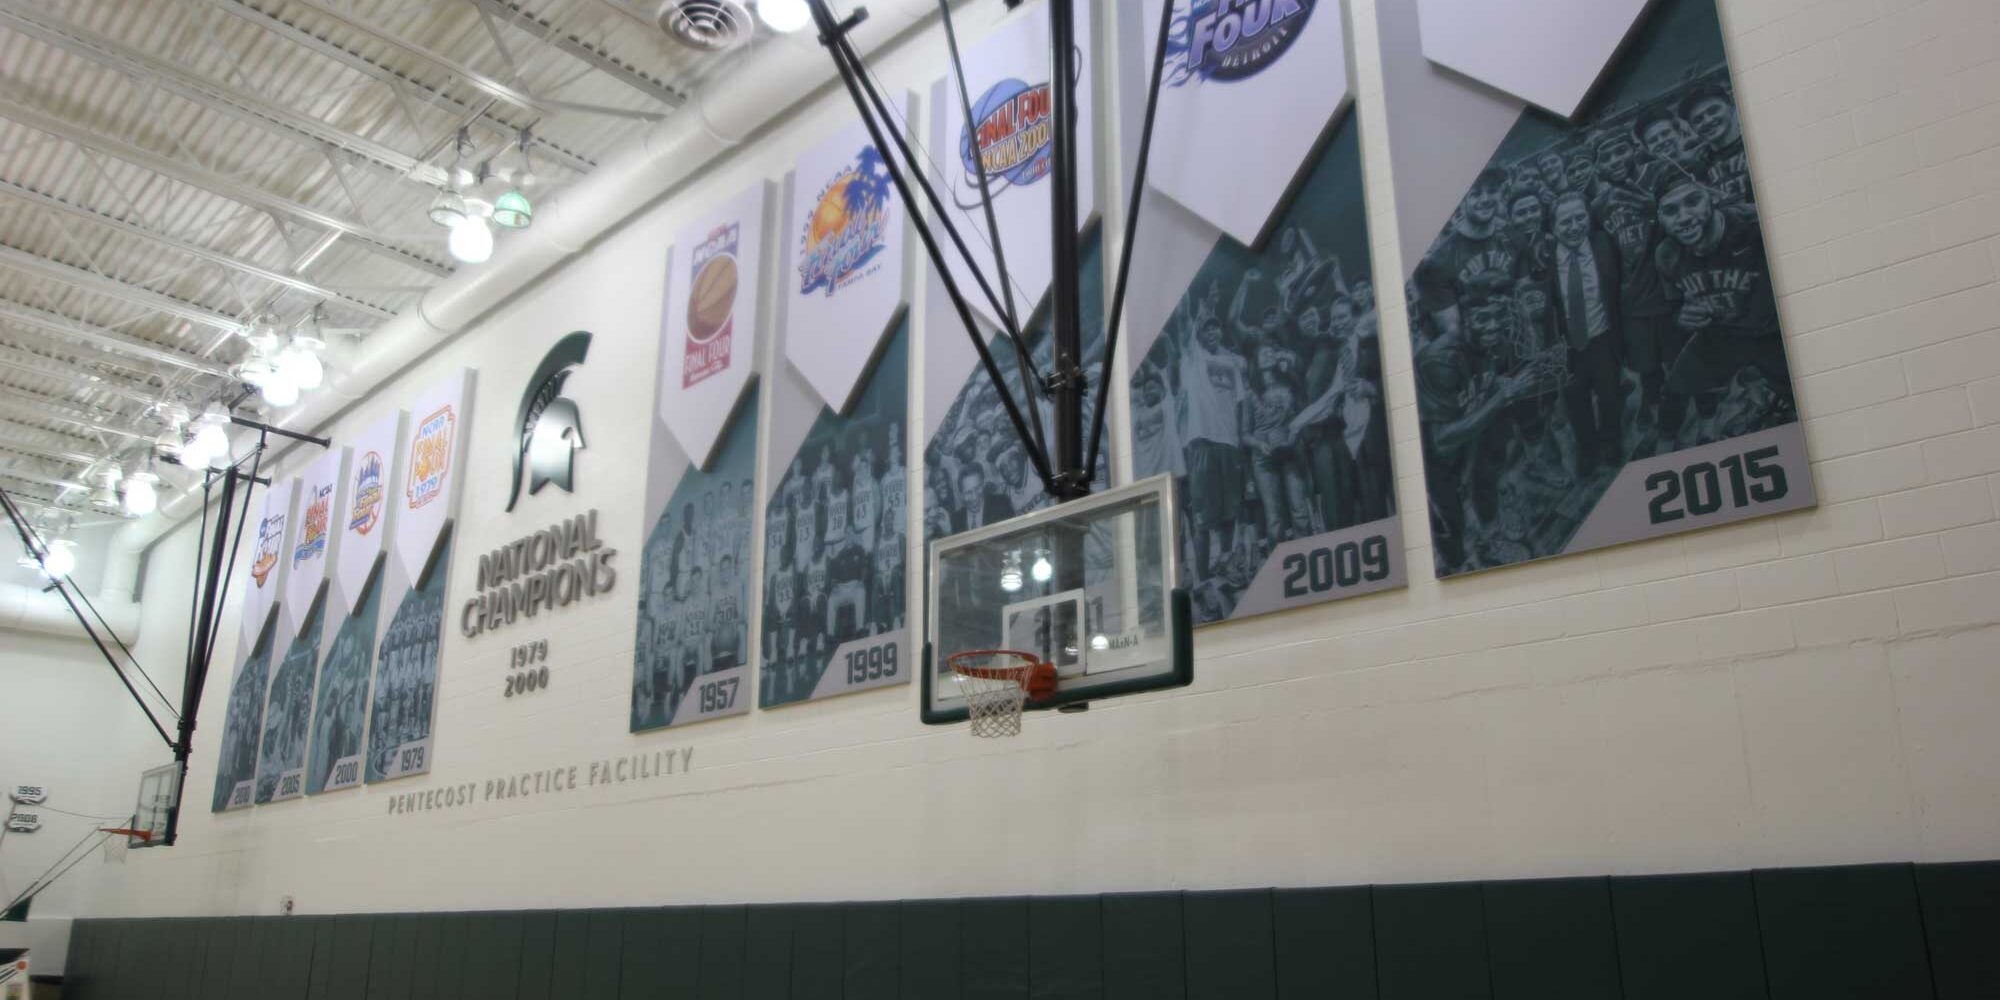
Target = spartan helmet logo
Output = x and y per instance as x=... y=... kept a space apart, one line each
x=549 y=430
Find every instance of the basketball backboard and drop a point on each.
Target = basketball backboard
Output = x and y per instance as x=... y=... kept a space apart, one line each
x=1088 y=586
x=159 y=789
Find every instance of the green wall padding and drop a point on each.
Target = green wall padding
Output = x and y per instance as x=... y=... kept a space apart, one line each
x=1065 y=950
x=819 y=951
x=603 y=951
x=1962 y=919
x=1324 y=943
x=1143 y=953
x=1551 y=939
x=1833 y=933
x=1430 y=942
x=1688 y=936
x=993 y=945
x=538 y=956
x=1230 y=955
x=874 y=950
x=930 y=937
x=721 y=972
x=1907 y=932
x=767 y=952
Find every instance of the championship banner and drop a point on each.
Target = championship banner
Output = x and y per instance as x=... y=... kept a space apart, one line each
x=432 y=449
x=281 y=761
x=1257 y=370
x=843 y=239
x=691 y=656
x=361 y=522
x=1011 y=137
x=836 y=536
x=1595 y=336
x=243 y=723
x=709 y=321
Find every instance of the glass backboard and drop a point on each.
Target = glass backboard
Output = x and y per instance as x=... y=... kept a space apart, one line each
x=1088 y=586
x=159 y=790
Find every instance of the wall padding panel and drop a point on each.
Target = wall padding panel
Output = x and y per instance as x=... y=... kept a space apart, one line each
x=1905 y=931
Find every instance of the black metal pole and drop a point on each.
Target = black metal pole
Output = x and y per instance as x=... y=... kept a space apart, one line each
x=1066 y=380
x=197 y=665
x=1131 y=231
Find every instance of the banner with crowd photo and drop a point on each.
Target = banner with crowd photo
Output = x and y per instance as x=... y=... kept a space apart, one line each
x=432 y=447
x=258 y=636
x=1256 y=360
x=1595 y=335
x=692 y=655
x=281 y=759
x=836 y=537
x=361 y=516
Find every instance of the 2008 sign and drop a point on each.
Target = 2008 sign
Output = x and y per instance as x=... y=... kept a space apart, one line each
x=1698 y=489
x=1319 y=570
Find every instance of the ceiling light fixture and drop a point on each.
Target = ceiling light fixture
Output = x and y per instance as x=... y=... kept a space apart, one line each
x=105 y=495
x=208 y=444
x=471 y=241
x=513 y=210
x=142 y=497
x=783 y=15
x=59 y=559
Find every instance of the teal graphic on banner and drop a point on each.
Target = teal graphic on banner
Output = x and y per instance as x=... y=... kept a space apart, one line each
x=236 y=757
x=1262 y=397
x=1597 y=317
x=342 y=706
x=835 y=544
x=692 y=650
x=406 y=674
x=281 y=764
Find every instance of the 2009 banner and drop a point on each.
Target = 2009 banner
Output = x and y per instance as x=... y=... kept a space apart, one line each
x=1595 y=334
x=1257 y=363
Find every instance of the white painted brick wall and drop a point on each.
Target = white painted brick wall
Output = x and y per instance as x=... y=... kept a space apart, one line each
x=1814 y=688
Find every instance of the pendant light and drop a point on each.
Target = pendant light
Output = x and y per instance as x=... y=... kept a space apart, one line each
x=513 y=210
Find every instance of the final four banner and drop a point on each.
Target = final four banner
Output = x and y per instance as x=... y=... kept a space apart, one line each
x=709 y=319
x=433 y=449
x=843 y=243
x=1258 y=367
x=1010 y=138
x=243 y=723
x=1596 y=340
x=691 y=654
x=361 y=523
x=281 y=761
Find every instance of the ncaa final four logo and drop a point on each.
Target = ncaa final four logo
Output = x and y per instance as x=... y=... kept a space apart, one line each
x=367 y=494
x=270 y=536
x=711 y=308
x=312 y=529
x=844 y=232
x=1229 y=40
x=1013 y=124
x=430 y=457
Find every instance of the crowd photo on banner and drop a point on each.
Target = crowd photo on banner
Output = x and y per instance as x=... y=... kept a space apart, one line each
x=406 y=676
x=1600 y=296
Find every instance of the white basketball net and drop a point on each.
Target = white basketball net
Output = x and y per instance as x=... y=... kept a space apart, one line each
x=995 y=694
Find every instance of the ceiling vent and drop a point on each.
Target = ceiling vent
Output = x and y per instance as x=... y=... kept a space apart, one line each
x=708 y=25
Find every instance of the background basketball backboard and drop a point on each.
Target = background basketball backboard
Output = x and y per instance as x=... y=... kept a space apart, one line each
x=159 y=789
x=1088 y=586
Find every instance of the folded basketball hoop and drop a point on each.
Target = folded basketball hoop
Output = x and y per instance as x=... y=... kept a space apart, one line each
x=998 y=683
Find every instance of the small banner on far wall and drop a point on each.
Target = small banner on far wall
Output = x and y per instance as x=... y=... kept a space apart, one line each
x=361 y=521
x=432 y=450
x=243 y=723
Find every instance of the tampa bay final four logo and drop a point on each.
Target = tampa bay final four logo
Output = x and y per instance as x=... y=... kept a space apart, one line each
x=1228 y=40
x=844 y=232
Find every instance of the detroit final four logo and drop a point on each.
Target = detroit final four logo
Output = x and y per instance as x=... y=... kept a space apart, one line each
x=1014 y=127
x=1228 y=40
x=844 y=232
